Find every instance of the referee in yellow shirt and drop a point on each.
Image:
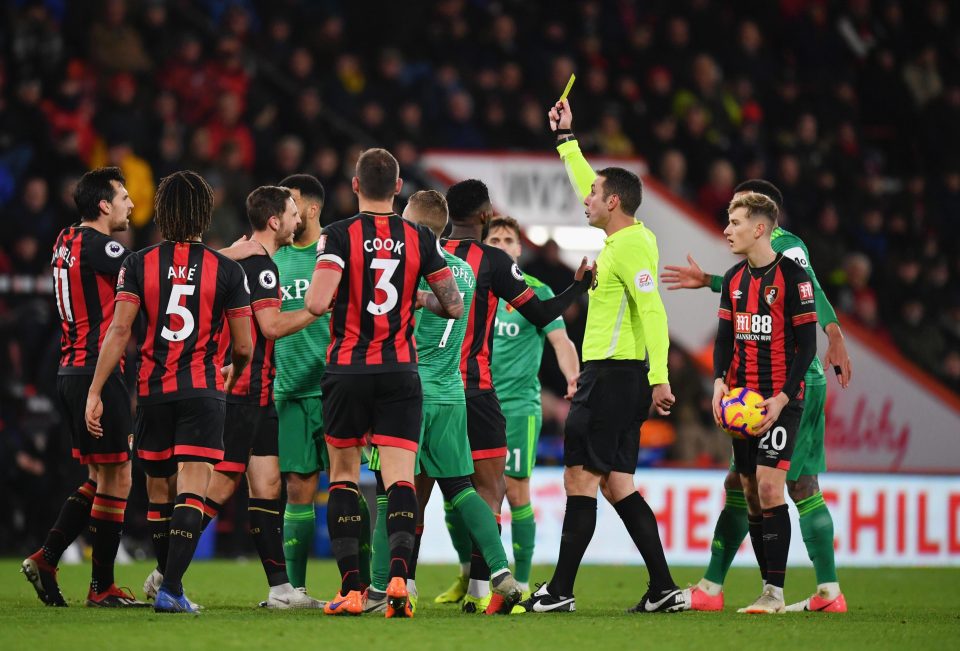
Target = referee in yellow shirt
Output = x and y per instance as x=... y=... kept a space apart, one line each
x=625 y=370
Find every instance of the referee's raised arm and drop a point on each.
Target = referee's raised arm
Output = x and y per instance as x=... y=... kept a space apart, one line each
x=624 y=371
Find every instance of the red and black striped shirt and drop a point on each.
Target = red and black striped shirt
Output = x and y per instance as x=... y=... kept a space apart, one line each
x=184 y=290
x=255 y=384
x=498 y=276
x=765 y=305
x=85 y=267
x=382 y=258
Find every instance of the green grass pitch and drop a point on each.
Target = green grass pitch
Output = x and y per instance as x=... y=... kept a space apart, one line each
x=889 y=609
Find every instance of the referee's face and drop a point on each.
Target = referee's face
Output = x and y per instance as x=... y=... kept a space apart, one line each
x=597 y=211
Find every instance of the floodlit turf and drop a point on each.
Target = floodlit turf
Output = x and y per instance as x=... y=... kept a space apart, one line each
x=890 y=608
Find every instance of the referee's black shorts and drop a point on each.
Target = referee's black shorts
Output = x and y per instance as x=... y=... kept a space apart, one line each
x=603 y=429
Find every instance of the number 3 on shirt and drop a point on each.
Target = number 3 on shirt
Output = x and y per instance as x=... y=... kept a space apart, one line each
x=388 y=267
x=174 y=307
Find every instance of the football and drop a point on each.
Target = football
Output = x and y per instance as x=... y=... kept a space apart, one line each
x=740 y=413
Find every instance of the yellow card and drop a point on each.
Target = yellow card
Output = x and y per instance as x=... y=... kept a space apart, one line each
x=566 y=91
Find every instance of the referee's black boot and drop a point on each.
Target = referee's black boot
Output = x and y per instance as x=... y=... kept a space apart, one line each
x=542 y=601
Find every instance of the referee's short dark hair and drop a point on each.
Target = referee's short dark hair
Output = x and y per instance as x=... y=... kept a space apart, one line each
x=625 y=184
x=265 y=202
x=766 y=188
x=465 y=198
x=308 y=185
x=377 y=174
x=92 y=188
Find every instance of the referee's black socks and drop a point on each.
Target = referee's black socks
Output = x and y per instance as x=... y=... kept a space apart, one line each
x=579 y=523
x=641 y=524
x=344 y=522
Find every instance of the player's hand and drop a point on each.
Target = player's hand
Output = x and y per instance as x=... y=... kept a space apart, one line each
x=571 y=387
x=773 y=406
x=92 y=415
x=421 y=299
x=691 y=277
x=229 y=378
x=560 y=116
x=838 y=358
x=244 y=248
x=663 y=398
x=720 y=389
x=584 y=269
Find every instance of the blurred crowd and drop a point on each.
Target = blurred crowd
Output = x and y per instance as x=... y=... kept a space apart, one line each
x=851 y=107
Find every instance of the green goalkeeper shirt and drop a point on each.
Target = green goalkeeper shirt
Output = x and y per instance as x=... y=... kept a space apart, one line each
x=439 y=341
x=791 y=246
x=300 y=358
x=517 y=350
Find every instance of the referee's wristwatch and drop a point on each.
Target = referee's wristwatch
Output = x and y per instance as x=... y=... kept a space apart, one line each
x=564 y=135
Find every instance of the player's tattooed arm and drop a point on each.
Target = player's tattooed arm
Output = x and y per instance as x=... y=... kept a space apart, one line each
x=445 y=301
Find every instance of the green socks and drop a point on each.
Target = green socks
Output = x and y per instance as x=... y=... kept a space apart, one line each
x=365 y=547
x=478 y=520
x=459 y=534
x=380 y=569
x=728 y=535
x=299 y=523
x=816 y=526
x=523 y=530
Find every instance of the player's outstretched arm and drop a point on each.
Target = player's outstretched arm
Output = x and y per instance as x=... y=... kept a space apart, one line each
x=242 y=249
x=540 y=313
x=241 y=350
x=114 y=343
x=691 y=277
x=445 y=301
x=567 y=359
x=275 y=324
x=323 y=287
x=837 y=355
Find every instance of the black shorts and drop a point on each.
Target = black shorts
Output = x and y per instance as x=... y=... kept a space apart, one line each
x=114 y=445
x=774 y=448
x=248 y=430
x=387 y=406
x=181 y=430
x=603 y=428
x=486 y=426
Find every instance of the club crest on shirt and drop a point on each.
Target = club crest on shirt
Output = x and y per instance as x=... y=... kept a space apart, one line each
x=268 y=279
x=771 y=295
x=113 y=249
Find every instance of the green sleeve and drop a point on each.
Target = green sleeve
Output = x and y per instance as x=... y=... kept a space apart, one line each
x=793 y=247
x=579 y=172
x=716 y=283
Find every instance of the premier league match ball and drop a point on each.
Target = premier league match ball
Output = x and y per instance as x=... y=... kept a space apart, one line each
x=740 y=413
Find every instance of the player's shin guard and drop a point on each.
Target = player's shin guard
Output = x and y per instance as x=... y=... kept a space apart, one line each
x=755 y=525
x=184 y=535
x=816 y=526
x=481 y=524
x=579 y=522
x=106 y=525
x=366 y=546
x=263 y=518
x=641 y=524
x=728 y=535
x=73 y=517
x=343 y=522
x=158 y=517
x=299 y=524
x=776 y=543
x=380 y=561
x=401 y=526
x=211 y=509
x=523 y=530
x=459 y=533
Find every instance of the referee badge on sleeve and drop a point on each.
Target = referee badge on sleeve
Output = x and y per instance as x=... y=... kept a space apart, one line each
x=644 y=281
